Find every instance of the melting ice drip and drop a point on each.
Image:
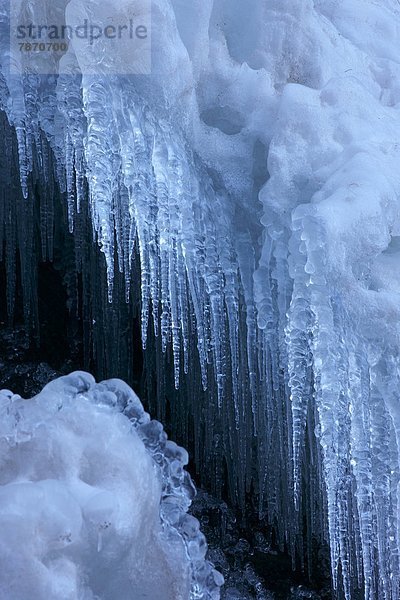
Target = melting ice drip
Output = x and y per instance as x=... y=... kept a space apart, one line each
x=94 y=499
x=174 y=165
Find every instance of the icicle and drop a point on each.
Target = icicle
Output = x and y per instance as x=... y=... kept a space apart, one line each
x=103 y=166
x=246 y=261
x=176 y=183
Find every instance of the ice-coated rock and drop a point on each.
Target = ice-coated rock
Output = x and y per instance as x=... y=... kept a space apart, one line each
x=87 y=487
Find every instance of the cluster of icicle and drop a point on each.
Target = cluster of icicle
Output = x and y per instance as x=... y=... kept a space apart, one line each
x=148 y=194
x=285 y=358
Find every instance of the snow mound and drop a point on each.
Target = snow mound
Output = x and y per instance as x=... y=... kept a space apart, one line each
x=94 y=499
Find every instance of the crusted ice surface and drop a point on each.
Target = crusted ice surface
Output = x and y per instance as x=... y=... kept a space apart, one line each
x=94 y=499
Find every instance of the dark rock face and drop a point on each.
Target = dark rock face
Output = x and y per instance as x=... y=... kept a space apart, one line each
x=247 y=556
x=21 y=370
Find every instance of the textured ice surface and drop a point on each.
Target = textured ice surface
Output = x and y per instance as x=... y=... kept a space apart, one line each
x=293 y=104
x=93 y=499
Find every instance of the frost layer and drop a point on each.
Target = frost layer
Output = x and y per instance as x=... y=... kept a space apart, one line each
x=94 y=499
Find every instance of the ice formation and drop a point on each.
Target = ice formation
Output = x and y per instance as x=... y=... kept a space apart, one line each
x=94 y=499
x=255 y=172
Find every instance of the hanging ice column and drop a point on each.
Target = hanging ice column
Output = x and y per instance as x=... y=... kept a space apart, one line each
x=151 y=192
x=336 y=149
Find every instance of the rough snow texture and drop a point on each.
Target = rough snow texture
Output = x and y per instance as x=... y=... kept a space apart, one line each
x=94 y=499
x=293 y=103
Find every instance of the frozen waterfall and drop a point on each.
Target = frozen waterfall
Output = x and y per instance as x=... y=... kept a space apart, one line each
x=244 y=197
